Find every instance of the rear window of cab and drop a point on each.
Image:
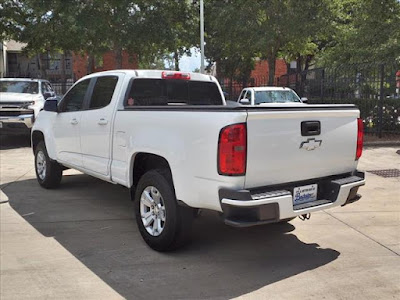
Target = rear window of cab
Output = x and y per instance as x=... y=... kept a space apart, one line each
x=171 y=92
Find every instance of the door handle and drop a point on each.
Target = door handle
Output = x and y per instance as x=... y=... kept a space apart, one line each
x=309 y=128
x=102 y=121
x=74 y=121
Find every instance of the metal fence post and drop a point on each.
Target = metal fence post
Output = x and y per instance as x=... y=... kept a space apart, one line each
x=322 y=83
x=380 y=111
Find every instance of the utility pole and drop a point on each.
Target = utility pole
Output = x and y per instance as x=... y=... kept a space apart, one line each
x=202 y=35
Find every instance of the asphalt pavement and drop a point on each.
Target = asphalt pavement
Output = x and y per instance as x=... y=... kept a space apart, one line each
x=81 y=242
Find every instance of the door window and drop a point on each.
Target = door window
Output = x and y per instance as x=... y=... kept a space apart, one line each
x=248 y=95
x=242 y=94
x=46 y=88
x=73 y=100
x=103 y=91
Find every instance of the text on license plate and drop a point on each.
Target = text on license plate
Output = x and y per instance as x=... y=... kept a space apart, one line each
x=306 y=193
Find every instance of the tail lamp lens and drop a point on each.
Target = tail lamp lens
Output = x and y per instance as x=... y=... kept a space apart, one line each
x=232 y=150
x=175 y=75
x=360 y=137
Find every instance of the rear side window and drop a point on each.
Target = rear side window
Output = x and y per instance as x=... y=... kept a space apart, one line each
x=103 y=91
x=154 y=92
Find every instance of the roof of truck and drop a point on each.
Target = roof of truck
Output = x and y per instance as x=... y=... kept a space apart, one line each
x=270 y=88
x=154 y=74
x=22 y=79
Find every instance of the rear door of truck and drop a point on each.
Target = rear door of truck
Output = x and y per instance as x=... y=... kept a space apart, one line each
x=296 y=143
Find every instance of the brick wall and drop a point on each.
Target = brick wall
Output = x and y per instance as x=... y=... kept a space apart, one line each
x=79 y=63
x=261 y=69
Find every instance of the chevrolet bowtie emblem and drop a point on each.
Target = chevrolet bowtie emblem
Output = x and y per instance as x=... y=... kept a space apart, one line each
x=310 y=144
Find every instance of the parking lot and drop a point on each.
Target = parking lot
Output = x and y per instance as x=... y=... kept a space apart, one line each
x=81 y=242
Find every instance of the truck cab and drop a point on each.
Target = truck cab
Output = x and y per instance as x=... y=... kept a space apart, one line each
x=269 y=95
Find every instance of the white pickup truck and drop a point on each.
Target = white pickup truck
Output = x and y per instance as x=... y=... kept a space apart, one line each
x=171 y=138
x=21 y=99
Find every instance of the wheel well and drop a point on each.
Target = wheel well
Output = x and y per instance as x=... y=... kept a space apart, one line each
x=145 y=162
x=37 y=137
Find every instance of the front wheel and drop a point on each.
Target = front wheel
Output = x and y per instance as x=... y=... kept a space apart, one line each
x=48 y=172
x=163 y=224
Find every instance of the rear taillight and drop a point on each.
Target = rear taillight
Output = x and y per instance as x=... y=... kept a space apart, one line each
x=175 y=75
x=360 y=137
x=232 y=150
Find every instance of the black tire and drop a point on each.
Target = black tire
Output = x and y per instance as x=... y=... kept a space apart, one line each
x=284 y=221
x=178 y=220
x=52 y=175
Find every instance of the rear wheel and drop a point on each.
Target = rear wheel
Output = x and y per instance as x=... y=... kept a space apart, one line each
x=163 y=224
x=48 y=172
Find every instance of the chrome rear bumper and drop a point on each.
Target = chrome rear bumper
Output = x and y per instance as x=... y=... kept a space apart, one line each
x=271 y=204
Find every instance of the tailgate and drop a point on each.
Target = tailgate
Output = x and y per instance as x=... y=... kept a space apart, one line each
x=278 y=151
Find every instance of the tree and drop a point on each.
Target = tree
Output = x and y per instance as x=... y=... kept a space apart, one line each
x=239 y=31
x=172 y=26
x=287 y=26
x=364 y=31
x=230 y=37
x=148 y=29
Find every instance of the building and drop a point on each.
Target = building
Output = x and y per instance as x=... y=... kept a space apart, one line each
x=60 y=69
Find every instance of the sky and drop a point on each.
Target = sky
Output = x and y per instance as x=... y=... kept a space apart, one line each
x=190 y=63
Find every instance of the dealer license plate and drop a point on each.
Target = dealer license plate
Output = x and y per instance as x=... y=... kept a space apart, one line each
x=304 y=194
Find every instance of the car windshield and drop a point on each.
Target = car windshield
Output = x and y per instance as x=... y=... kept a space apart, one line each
x=281 y=96
x=25 y=87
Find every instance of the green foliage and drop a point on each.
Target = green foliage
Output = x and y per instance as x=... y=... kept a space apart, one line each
x=364 y=31
x=328 y=32
x=241 y=30
x=230 y=32
x=146 y=28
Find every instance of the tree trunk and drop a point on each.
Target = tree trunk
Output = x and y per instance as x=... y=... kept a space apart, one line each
x=118 y=58
x=176 y=60
x=271 y=68
x=63 y=75
x=299 y=76
x=42 y=67
x=231 y=87
x=90 y=63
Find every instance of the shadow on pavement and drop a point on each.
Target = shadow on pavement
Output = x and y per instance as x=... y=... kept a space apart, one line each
x=93 y=221
x=14 y=141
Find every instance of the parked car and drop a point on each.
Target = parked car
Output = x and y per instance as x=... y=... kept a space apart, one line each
x=21 y=99
x=268 y=95
x=171 y=139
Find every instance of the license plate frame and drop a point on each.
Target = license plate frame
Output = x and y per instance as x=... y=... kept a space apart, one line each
x=304 y=194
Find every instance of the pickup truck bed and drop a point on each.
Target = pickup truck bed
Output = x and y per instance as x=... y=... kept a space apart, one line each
x=256 y=165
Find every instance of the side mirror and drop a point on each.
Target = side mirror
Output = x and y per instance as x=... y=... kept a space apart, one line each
x=51 y=105
x=304 y=99
x=244 y=101
x=47 y=95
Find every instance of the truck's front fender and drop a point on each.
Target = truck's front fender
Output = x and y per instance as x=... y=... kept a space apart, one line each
x=44 y=124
